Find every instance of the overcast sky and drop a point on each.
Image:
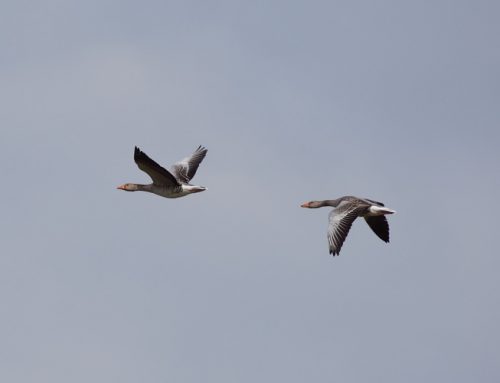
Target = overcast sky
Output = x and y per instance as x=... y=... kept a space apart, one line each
x=396 y=101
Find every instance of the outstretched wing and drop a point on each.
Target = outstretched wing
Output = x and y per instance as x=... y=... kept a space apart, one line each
x=340 y=222
x=185 y=169
x=158 y=174
x=379 y=225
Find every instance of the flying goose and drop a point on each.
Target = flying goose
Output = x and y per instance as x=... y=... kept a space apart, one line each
x=169 y=184
x=346 y=210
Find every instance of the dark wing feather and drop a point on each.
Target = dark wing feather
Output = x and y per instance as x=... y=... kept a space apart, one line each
x=379 y=225
x=158 y=174
x=340 y=223
x=375 y=202
x=185 y=169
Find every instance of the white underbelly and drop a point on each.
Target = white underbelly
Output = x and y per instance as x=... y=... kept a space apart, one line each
x=170 y=192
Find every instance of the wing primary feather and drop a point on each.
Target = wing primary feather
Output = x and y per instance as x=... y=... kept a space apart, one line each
x=158 y=174
x=379 y=226
x=340 y=223
x=185 y=169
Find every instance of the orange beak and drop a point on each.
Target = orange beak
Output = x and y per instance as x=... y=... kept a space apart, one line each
x=305 y=204
x=122 y=187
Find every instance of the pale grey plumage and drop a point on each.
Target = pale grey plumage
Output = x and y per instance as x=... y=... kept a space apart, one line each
x=185 y=169
x=165 y=183
x=346 y=210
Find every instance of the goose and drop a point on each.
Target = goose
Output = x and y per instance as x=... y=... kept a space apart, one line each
x=346 y=210
x=168 y=184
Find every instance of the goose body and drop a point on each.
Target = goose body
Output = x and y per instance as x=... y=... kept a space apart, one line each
x=168 y=184
x=346 y=210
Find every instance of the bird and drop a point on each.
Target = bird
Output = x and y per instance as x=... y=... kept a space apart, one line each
x=346 y=210
x=168 y=184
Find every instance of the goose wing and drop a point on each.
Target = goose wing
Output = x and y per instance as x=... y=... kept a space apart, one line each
x=379 y=225
x=185 y=169
x=340 y=221
x=158 y=174
x=374 y=202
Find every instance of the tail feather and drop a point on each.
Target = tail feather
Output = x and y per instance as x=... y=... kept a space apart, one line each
x=381 y=210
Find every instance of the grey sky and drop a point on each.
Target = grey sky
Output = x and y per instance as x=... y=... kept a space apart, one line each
x=392 y=100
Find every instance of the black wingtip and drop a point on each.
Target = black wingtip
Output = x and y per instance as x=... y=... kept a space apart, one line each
x=137 y=152
x=334 y=253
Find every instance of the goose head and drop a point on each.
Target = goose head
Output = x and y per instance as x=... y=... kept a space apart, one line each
x=312 y=204
x=128 y=187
